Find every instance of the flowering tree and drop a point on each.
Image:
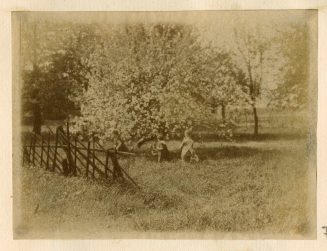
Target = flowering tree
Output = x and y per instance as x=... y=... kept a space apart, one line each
x=144 y=78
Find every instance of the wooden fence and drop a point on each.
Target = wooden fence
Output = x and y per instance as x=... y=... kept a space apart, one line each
x=71 y=156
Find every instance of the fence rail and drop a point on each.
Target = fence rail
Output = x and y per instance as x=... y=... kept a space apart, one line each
x=70 y=156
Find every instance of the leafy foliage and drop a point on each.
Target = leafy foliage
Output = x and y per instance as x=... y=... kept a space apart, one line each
x=224 y=82
x=252 y=50
x=55 y=65
x=145 y=78
x=291 y=92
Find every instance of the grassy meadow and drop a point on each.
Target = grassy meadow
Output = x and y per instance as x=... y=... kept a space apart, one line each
x=262 y=188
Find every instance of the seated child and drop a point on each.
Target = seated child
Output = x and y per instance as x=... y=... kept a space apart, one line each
x=188 y=152
x=160 y=149
x=118 y=142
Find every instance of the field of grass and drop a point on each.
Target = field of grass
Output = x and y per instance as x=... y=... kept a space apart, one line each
x=248 y=189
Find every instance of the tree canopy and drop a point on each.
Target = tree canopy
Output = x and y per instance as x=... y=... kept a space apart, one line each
x=292 y=89
x=145 y=77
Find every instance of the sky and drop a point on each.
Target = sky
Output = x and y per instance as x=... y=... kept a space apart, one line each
x=214 y=26
x=221 y=20
x=194 y=17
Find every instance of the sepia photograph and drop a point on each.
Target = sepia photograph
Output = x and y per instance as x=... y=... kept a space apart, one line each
x=165 y=124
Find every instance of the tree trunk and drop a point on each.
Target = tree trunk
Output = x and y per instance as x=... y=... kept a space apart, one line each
x=37 y=119
x=256 y=120
x=223 y=112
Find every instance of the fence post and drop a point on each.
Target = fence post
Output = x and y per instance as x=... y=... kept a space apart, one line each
x=30 y=150
x=34 y=141
x=93 y=158
x=72 y=167
x=116 y=167
x=75 y=151
x=106 y=166
x=48 y=152
x=88 y=158
x=55 y=151
x=41 y=151
x=25 y=154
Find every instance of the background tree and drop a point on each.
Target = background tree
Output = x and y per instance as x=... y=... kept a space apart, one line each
x=55 y=65
x=252 y=50
x=292 y=77
x=223 y=82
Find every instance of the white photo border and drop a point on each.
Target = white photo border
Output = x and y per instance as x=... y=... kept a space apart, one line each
x=6 y=232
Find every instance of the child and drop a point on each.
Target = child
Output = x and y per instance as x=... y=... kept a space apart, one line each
x=187 y=148
x=118 y=142
x=160 y=149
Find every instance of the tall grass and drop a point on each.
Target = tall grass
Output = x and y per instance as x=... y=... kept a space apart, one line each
x=248 y=187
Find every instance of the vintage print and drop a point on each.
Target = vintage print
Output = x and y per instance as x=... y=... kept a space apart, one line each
x=192 y=125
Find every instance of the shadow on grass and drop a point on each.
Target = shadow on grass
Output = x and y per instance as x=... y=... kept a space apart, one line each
x=269 y=136
x=216 y=153
x=232 y=152
x=244 y=137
